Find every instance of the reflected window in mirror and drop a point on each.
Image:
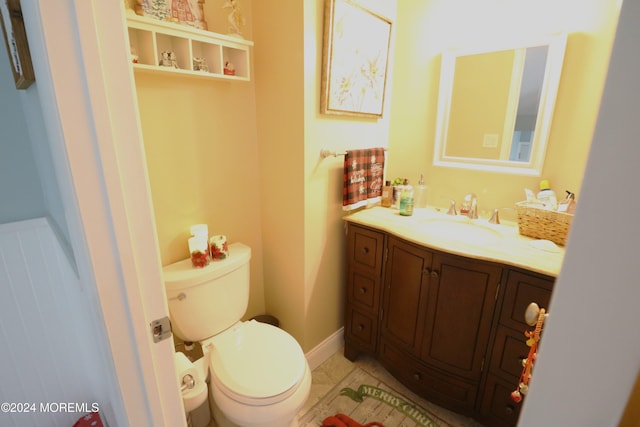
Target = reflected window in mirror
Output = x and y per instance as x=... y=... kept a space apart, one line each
x=495 y=106
x=533 y=67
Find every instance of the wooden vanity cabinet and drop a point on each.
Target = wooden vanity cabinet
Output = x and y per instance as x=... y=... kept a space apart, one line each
x=450 y=328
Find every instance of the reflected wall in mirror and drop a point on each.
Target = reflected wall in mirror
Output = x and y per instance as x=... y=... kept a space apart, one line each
x=496 y=105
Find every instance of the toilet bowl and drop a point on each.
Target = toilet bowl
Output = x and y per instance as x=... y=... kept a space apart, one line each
x=259 y=376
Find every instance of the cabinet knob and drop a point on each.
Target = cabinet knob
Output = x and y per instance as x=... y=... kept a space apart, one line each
x=363 y=290
x=360 y=327
x=508 y=409
x=365 y=250
x=417 y=376
x=434 y=274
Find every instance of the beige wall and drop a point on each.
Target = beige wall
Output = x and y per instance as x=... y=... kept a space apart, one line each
x=244 y=157
x=324 y=228
x=303 y=231
x=428 y=27
x=202 y=158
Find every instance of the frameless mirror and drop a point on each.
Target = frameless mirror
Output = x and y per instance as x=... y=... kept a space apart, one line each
x=495 y=105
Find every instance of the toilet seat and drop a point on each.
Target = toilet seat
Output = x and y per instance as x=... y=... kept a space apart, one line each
x=255 y=363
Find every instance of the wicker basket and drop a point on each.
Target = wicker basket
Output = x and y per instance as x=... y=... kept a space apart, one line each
x=543 y=224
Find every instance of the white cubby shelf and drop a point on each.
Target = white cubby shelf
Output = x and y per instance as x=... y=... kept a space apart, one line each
x=150 y=37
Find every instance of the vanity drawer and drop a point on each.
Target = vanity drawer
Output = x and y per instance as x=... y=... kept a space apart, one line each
x=523 y=289
x=439 y=388
x=364 y=290
x=497 y=409
x=362 y=329
x=364 y=250
x=509 y=349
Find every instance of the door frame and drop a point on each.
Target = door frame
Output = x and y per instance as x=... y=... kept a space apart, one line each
x=89 y=106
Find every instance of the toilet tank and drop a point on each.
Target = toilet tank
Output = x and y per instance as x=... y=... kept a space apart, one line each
x=205 y=301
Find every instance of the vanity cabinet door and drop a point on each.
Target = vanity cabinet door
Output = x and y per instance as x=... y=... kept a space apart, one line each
x=365 y=250
x=406 y=286
x=461 y=303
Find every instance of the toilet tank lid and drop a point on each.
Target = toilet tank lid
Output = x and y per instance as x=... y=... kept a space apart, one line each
x=182 y=274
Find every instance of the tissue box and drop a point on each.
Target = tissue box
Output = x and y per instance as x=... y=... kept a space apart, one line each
x=541 y=223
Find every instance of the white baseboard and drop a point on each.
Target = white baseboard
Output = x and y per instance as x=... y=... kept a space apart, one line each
x=325 y=349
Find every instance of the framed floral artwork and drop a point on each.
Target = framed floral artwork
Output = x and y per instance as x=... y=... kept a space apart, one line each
x=355 y=60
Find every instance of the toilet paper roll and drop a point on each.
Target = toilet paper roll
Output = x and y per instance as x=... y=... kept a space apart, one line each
x=219 y=247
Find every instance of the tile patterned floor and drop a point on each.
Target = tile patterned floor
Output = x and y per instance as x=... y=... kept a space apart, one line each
x=334 y=369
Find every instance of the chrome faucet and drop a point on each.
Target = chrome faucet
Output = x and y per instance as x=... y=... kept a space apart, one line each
x=472 y=201
x=495 y=218
x=452 y=208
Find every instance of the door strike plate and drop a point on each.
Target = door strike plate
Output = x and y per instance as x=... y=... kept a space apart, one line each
x=161 y=329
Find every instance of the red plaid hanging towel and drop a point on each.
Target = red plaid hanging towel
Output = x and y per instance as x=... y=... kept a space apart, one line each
x=363 y=177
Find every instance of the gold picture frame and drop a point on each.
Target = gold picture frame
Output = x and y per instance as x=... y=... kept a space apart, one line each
x=15 y=40
x=354 y=60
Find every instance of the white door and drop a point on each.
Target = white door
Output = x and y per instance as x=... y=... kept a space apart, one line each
x=89 y=106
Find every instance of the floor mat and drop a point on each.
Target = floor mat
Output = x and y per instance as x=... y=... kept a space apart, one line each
x=366 y=399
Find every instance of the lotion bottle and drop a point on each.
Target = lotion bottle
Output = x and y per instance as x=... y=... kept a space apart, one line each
x=387 y=195
x=547 y=196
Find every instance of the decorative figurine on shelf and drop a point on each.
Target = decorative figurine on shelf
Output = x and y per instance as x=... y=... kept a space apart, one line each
x=235 y=18
x=168 y=59
x=200 y=64
x=229 y=69
x=133 y=55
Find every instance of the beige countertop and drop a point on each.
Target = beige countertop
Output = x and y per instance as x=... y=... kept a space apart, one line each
x=499 y=243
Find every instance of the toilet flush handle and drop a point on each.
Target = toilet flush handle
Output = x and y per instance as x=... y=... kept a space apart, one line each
x=179 y=297
x=187 y=383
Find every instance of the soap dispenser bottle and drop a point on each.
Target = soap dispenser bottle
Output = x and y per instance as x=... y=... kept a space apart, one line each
x=568 y=205
x=547 y=196
x=406 y=199
x=421 y=194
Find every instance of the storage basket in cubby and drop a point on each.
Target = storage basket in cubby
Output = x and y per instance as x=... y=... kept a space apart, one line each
x=541 y=223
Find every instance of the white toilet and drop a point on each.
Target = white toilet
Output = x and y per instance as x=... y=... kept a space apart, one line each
x=259 y=375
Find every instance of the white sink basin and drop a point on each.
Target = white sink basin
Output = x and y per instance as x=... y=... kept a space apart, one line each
x=461 y=230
